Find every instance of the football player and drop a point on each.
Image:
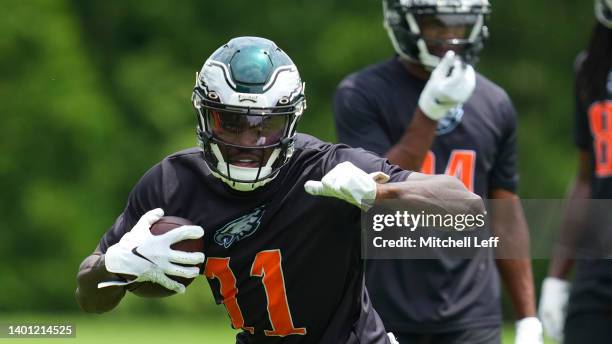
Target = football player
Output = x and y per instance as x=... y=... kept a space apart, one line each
x=589 y=313
x=284 y=262
x=427 y=109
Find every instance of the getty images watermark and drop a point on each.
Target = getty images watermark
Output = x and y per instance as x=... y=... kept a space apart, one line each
x=507 y=229
x=403 y=230
x=405 y=220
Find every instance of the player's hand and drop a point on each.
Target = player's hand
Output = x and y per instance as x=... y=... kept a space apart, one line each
x=149 y=257
x=450 y=84
x=528 y=331
x=349 y=183
x=553 y=304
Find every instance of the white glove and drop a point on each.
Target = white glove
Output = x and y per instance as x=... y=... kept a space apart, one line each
x=450 y=84
x=528 y=331
x=347 y=182
x=553 y=304
x=149 y=257
x=392 y=338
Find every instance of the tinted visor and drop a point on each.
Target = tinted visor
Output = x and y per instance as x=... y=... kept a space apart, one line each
x=443 y=32
x=246 y=130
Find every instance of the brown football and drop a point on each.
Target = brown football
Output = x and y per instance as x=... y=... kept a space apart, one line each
x=165 y=224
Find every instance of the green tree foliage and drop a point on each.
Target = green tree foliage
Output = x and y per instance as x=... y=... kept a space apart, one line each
x=92 y=93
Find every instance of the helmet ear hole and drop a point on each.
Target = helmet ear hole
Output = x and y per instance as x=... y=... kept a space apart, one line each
x=212 y=95
x=283 y=101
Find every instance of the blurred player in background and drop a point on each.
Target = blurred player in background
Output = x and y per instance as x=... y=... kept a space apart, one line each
x=285 y=264
x=589 y=312
x=427 y=109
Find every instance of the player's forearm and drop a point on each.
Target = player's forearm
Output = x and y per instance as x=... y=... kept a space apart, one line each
x=562 y=260
x=508 y=222
x=573 y=222
x=411 y=150
x=518 y=279
x=560 y=266
x=441 y=193
x=91 y=299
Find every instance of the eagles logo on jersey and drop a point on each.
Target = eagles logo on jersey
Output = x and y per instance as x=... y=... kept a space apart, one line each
x=449 y=122
x=239 y=228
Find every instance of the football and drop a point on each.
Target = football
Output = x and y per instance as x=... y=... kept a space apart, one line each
x=165 y=224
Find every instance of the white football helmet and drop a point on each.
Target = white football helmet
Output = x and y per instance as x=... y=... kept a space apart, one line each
x=248 y=98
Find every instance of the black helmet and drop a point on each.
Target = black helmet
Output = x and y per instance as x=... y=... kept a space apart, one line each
x=405 y=20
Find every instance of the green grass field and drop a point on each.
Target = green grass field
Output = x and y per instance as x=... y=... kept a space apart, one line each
x=150 y=329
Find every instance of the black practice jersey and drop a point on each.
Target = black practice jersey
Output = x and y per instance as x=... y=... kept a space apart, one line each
x=592 y=289
x=285 y=264
x=593 y=132
x=476 y=143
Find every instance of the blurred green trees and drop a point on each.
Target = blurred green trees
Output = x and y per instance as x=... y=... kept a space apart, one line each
x=92 y=93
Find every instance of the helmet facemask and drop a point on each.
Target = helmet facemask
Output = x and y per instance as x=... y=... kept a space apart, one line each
x=423 y=32
x=246 y=146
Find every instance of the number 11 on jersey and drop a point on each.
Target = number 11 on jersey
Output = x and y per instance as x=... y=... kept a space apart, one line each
x=267 y=265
